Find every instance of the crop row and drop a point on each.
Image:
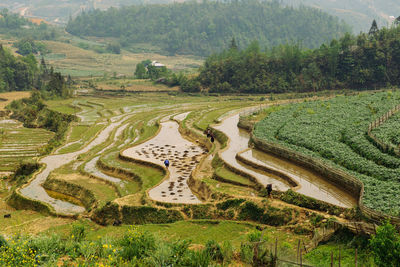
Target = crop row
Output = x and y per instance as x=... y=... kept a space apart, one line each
x=389 y=131
x=334 y=130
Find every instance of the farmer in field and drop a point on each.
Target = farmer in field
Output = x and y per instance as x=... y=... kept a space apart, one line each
x=166 y=163
x=269 y=189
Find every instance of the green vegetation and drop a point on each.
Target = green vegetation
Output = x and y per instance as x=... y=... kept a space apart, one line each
x=385 y=245
x=19 y=144
x=347 y=243
x=204 y=28
x=389 y=131
x=28 y=46
x=357 y=62
x=335 y=131
x=34 y=114
x=15 y=25
x=150 y=245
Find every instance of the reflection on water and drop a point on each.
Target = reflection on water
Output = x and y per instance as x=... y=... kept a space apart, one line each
x=311 y=184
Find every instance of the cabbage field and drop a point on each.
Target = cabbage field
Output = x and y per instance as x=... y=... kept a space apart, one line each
x=389 y=132
x=335 y=130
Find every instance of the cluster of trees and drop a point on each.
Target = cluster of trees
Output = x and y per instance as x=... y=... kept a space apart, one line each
x=23 y=73
x=356 y=62
x=35 y=114
x=205 y=28
x=16 y=73
x=145 y=70
x=28 y=46
x=15 y=25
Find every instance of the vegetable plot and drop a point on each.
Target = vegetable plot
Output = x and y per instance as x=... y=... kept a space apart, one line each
x=335 y=131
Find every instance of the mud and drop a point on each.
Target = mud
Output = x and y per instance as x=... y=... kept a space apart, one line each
x=35 y=191
x=183 y=157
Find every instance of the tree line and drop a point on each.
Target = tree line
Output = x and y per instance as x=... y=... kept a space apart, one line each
x=368 y=60
x=204 y=28
x=24 y=73
x=17 y=26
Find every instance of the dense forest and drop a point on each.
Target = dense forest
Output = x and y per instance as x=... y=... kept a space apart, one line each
x=207 y=27
x=356 y=62
x=24 y=73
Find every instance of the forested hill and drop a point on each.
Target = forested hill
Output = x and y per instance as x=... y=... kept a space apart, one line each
x=353 y=62
x=24 y=73
x=204 y=28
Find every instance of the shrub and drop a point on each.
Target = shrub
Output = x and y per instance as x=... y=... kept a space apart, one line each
x=137 y=244
x=3 y=242
x=78 y=232
x=214 y=250
x=230 y=203
x=250 y=211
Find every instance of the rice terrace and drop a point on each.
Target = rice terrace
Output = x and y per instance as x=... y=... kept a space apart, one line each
x=233 y=133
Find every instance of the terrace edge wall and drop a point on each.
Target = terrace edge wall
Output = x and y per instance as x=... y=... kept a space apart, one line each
x=331 y=174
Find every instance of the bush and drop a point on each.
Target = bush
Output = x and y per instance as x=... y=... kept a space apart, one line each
x=214 y=250
x=137 y=244
x=250 y=211
x=3 y=242
x=230 y=203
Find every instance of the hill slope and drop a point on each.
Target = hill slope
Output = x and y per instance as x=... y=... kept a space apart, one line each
x=357 y=13
x=204 y=28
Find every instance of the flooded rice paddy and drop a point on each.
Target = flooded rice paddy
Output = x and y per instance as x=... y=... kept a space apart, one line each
x=183 y=156
x=310 y=183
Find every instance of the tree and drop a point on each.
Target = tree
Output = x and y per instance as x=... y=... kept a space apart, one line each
x=140 y=72
x=233 y=44
x=397 y=21
x=386 y=246
x=374 y=28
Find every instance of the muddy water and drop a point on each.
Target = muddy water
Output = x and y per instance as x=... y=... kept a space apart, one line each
x=183 y=156
x=182 y=116
x=91 y=167
x=311 y=184
x=35 y=191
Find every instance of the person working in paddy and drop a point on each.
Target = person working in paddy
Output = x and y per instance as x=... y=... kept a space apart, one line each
x=166 y=163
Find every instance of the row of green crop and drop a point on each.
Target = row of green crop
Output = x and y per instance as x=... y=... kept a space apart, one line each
x=389 y=131
x=335 y=131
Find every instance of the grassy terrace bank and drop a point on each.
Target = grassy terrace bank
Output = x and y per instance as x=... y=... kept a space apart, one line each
x=335 y=131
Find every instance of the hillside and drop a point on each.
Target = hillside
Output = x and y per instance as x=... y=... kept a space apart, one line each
x=56 y=12
x=356 y=62
x=357 y=13
x=201 y=29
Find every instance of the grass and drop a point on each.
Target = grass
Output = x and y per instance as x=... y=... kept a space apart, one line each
x=102 y=191
x=132 y=85
x=70 y=59
x=10 y=96
x=345 y=242
x=150 y=176
x=233 y=190
x=231 y=176
x=84 y=133
x=18 y=144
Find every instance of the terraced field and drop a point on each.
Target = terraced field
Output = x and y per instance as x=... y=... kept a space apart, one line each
x=335 y=132
x=110 y=169
x=18 y=144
